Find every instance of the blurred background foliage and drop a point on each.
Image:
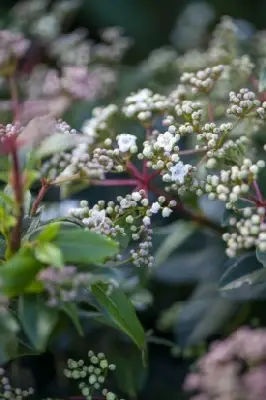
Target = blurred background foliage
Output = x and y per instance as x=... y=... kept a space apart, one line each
x=183 y=305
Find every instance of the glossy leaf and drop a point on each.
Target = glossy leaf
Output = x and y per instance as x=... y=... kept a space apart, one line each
x=121 y=313
x=49 y=254
x=49 y=232
x=72 y=311
x=18 y=272
x=130 y=373
x=84 y=247
x=261 y=256
x=8 y=337
x=37 y=319
x=180 y=231
x=243 y=270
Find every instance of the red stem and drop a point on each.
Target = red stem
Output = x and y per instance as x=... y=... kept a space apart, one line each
x=19 y=198
x=45 y=187
x=210 y=112
x=257 y=191
x=134 y=171
x=115 y=182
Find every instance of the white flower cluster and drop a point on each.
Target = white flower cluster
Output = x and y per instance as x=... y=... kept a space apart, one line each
x=204 y=80
x=242 y=103
x=129 y=214
x=143 y=104
x=249 y=231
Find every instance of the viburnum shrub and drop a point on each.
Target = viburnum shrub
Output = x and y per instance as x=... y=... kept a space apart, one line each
x=168 y=150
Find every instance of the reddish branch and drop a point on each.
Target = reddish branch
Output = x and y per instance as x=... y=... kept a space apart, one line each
x=19 y=198
x=44 y=188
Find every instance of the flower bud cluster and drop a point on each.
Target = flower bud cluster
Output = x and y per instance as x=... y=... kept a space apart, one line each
x=8 y=392
x=242 y=103
x=144 y=104
x=233 y=369
x=64 y=285
x=249 y=230
x=66 y=164
x=203 y=80
x=232 y=183
x=191 y=111
x=91 y=377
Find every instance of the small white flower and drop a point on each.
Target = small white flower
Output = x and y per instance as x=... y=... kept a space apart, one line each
x=155 y=207
x=166 y=141
x=125 y=141
x=166 y=212
x=124 y=203
x=136 y=196
x=146 y=221
x=97 y=217
x=179 y=172
x=129 y=219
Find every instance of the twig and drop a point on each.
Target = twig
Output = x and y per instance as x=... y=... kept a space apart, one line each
x=257 y=191
x=114 y=182
x=44 y=188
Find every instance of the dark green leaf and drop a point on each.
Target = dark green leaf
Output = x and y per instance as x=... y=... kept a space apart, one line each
x=180 y=231
x=18 y=272
x=72 y=311
x=37 y=319
x=130 y=373
x=8 y=337
x=121 y=312
x=80 y=246
x=261 y=256
x=239 y=270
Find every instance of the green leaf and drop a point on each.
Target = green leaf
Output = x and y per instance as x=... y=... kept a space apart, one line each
x=18 y=272
x=72 y=311
x=5 y=199
x=27 y=198
x=180 y=231
x=130 y=373
x=227 y=214
x=2 y=248
x=245 y=270
x=37 y=319
x=121 y=312
x=49 y=232
x=261 y=256
x=8 y=337
x=48 y=253
x=85 y=247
